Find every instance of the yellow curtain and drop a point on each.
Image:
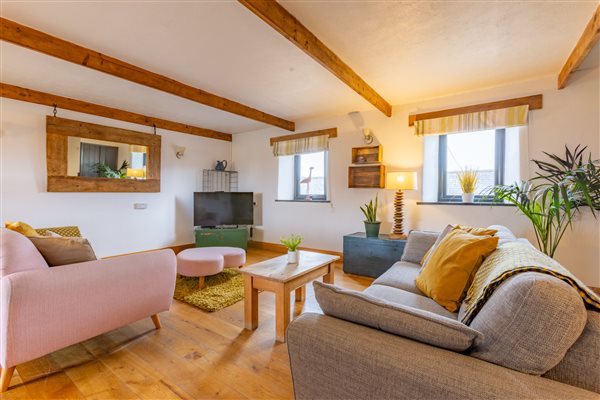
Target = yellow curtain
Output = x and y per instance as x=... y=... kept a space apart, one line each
x=300 y=146
x=473 y=122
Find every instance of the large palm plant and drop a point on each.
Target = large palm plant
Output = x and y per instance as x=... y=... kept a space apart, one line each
x=560 y=189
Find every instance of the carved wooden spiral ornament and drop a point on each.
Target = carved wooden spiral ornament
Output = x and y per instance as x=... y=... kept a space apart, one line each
x=398 y=213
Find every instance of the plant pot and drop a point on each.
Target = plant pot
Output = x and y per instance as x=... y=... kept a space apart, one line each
x=468 y=197
x=293 y=257
x=372 y=229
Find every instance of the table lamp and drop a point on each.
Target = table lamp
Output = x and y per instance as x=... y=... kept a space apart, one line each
x=400 y=181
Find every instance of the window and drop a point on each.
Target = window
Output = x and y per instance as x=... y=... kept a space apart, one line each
x=500 y=156
x=310 y=176
x=303 y=177
x=482 y=151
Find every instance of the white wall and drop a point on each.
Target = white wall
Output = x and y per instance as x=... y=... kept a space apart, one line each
x=569 y=116
x=108 y=220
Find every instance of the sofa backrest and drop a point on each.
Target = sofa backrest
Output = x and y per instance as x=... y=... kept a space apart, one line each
x=17 y=253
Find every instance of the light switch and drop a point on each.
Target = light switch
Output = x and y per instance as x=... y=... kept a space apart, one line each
x=140 y=206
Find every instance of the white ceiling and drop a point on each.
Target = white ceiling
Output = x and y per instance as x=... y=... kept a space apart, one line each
x=404 y=50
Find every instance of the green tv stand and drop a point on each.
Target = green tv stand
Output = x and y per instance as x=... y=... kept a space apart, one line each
x=230 y=237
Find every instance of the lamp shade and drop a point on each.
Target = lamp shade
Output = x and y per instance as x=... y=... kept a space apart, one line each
x=401 y=180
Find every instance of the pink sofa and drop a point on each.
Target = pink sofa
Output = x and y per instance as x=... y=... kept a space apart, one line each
x=45 y=309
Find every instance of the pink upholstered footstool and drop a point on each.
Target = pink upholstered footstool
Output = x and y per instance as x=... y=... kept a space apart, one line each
x=233 y=257
x=200 y=262
x=206 y=261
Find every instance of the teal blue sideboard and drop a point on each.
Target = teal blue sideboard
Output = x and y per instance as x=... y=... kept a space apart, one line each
x=230 y=237
x=371 y=256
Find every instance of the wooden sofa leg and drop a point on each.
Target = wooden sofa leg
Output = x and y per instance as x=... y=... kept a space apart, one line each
x=5 y=377
x=156 y=321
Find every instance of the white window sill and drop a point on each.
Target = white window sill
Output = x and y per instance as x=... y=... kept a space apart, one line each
x=460 y=203
x=304 y=201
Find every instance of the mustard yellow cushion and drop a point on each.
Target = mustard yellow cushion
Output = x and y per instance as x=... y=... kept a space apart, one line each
x=450 y=269
x=471 y=229
x=22 y=228
x=477 y=231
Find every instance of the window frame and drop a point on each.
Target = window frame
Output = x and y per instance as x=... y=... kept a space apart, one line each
x=301 y=197
x=499 y=157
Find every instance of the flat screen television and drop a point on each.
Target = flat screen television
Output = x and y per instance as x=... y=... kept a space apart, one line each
x=223 y=208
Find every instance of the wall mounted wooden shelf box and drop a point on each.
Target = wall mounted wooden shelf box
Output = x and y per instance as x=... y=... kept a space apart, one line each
x=366 y=170
x=366 y=176
x=367 y=155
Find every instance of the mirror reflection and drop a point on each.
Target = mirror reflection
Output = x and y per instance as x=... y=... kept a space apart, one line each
x=103 y=159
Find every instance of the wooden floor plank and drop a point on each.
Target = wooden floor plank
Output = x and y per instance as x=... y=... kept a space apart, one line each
x=196 y=355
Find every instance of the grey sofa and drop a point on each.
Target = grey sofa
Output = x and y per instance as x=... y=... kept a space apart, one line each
x=539 y=343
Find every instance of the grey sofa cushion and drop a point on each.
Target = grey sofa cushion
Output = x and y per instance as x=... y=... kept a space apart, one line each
x=398 y=319
x=398 y=296
x=417 y=244
x=401 y=275
x=581 y=365
x=529 y=323
x=440 y=237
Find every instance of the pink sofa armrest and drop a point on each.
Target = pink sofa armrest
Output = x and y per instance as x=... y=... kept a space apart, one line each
x=46 y=310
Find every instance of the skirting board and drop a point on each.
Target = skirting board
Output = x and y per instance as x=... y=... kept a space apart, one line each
x=274 y=247
x=279 y=248
x=176 y=248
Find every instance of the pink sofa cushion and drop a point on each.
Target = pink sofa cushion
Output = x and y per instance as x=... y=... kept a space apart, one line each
x=17 y=253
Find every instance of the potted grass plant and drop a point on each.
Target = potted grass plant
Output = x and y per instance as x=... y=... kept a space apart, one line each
x=468 y=182
x=562 y=188
x=292 y=242
x=371 y=224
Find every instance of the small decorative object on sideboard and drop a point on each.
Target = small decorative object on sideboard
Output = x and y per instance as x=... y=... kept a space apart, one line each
x=468 y=182
x=371 y=224
x=221 y=165
x=292 y=242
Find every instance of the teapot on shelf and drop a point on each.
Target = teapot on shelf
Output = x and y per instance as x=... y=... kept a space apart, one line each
x=221 y=165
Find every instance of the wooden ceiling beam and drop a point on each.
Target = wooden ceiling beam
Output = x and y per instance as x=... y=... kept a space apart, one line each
x=47 y=99
x=24 y=36
x=331 y=132
x=585 y=44
x=287 y=25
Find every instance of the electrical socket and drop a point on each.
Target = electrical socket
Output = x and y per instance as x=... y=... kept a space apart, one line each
x=140 y=206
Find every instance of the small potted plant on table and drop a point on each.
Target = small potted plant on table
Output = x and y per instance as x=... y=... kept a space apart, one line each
x=468 y=182
x=371 y=224
x=292 y=242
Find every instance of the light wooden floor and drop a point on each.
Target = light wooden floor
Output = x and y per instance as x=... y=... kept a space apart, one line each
x=197 y=355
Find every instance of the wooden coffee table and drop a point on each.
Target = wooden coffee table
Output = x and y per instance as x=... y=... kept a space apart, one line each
x=276 y=275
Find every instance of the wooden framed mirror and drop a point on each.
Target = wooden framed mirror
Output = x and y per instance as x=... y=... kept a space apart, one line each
x=84 y=157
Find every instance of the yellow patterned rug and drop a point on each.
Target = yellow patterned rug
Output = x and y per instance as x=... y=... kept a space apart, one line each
x=221 y=290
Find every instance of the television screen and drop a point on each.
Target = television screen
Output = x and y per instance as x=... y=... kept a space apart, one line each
x=223 y=208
